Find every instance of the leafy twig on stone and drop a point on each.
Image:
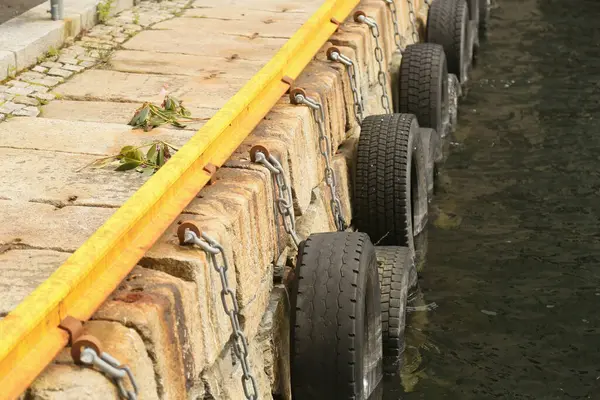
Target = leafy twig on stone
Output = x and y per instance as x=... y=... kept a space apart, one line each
x=131 y=157
x=171 y=111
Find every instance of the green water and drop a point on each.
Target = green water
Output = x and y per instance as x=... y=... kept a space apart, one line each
x=513 y=259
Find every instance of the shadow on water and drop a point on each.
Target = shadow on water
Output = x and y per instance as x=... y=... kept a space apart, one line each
x=513 y=257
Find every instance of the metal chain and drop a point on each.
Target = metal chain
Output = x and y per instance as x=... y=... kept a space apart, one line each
x=240 y=344
x=325 y=148
x=283 y=199
x=351 y=71
x=113 y=368
x=381 y=76
x=397 y=37
x=413 y=21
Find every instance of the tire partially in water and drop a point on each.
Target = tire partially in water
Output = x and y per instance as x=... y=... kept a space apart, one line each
x=448 y=25
x=423 y=85
x=390 y=191
x=397 y=274
x=336 y=318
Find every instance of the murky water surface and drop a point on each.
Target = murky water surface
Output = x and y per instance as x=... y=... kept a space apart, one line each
x=513 y=257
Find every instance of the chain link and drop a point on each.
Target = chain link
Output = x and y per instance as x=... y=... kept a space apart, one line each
x=240 y=343
x=113 y=368
x=413 y=21
x=351 y=71
x=325 y=149
x=397 y=37
x=283 y=199
x=381 y=76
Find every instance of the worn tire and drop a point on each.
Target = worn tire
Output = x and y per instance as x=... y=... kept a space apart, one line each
x=336 y=317
x=448 y=25
x=390 y=185
x=484 y=18
x=424 y=85
x=432 y=145
x=397 y=274
x=474 y=13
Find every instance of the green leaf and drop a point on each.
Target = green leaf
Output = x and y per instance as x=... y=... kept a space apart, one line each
x=132 y=153
x=128 y=165
x=160 y=161
x=144 y=114
x=151 y=155
x=148 y=171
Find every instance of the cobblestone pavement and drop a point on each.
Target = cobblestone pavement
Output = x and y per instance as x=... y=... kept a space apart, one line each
x=24 y=94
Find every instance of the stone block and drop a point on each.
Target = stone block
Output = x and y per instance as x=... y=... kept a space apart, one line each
x=290 y=6
x=103 y=85
x=64 y=380
x=237 y=211
x=223 y=379
x=203 y=67
x=8 y=64
x=296 y=149
x=248 y=26
x=274 y=340
x=209 y=44
x=358 y=37
x=324 y=85
x=163 y=311
x=22 y=271
x=113 y=113
x=63 y=73
x=27 y=112
x=43 y=226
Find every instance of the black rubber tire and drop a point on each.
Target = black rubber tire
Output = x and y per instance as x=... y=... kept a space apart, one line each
x=484 y=18
x=337 y=294
x=397 y=274
x=432 y=146
x=389 y=182
x=448 y=25
x=423 y=85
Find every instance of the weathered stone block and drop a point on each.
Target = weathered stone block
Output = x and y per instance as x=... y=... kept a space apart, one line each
x=232 y=211
x=106 y=85
x=22 y=271
x=274 y=340
x=208 y=44
x=163 y=310
x=64 y=380
x=202 y=67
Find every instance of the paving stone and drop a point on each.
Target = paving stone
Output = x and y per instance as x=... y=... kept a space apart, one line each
x=51 y=64
x=74 y=68
x=31 y=75
x=118 y=86
x=3 y=88
x=81 y=137
x=27 y=112
x=39 y=68
x=164 y=312
x=87 y=58
x=87 y=64
x=22 y=271
x=44 y=96
x=6 y=97
x=49 y=81
x=208 y=44
x=67 y=60
x=64 y=229
x=9 y=107
x=2 y=117
x=247 y=26
x=183 y=64
x=60 y=72
x=108 y=112
x=289 y=6
x=28 y=101
x=16 y=83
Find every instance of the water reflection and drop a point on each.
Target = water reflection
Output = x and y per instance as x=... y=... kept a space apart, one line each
x=513 y=242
